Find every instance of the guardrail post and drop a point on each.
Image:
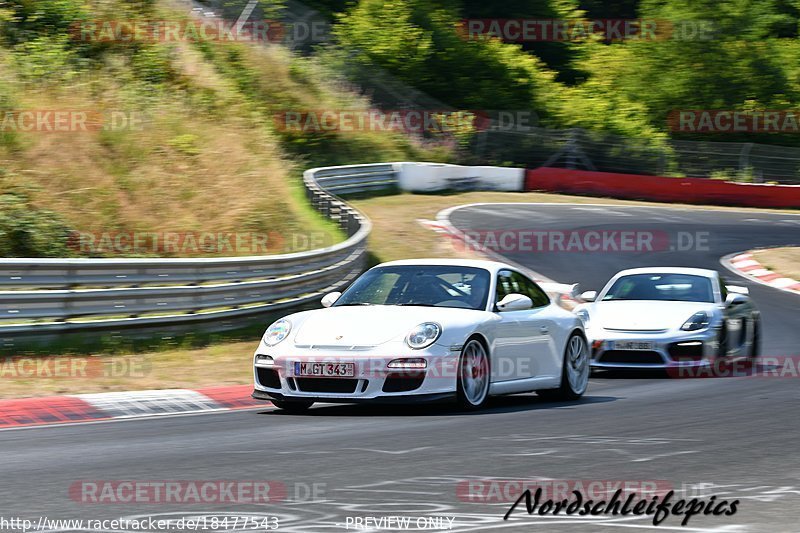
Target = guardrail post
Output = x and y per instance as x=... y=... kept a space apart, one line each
x=69 y=276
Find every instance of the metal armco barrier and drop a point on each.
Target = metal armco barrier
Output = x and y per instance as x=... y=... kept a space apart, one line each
x=51 y=295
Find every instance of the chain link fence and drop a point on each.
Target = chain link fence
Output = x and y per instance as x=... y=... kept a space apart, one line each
x=581 y=149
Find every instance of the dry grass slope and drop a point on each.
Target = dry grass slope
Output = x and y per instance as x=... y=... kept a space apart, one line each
x=208 y=156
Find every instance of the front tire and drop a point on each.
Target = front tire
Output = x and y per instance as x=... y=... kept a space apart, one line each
x=574 y=371
x=472 y=387
x=292 y=406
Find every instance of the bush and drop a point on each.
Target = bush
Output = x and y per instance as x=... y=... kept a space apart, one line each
x=26 y=231
x=32 y=19
x=7 y=137
x=46 y=60
x=153 y=64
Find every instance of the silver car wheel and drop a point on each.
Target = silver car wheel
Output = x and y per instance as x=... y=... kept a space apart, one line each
x=474 y=373
x=577 y=362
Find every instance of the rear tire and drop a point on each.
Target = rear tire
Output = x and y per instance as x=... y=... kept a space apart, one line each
x=292 y=406
x=722 y=349
x=574 y=371
x=755 y=347
x=472 y=382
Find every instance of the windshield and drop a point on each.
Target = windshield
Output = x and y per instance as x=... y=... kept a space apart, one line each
x=431 y=286
x=663 y=287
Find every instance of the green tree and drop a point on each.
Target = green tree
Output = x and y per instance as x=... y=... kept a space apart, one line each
x=423 y=45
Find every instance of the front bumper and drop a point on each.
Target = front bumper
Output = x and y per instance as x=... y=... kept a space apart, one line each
x=372 y=380
x=391 y=399
x=668 y=349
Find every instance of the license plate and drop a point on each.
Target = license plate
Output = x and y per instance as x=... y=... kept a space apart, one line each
x=630 y=345
x=327 y=370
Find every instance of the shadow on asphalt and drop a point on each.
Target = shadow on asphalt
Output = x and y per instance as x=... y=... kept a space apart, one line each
x=500 y=404
x=629 y=373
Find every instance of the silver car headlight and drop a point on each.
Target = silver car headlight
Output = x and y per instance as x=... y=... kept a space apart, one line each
x=277 y=332
x=423 y=335
x=697 y=321
x=583 y=314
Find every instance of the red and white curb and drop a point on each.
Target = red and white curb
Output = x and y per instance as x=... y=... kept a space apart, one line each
x=123 y=405
x=746 y=265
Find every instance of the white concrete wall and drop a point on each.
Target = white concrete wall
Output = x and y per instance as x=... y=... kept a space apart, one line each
x=429 y=177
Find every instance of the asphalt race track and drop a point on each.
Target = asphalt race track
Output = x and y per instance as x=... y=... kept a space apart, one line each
x=719 y=233
x=734 y=438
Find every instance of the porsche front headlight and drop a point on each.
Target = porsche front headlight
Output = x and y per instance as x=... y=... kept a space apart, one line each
x=423 y=335
x=583 y=314
x=697 y=321
x=277 y=332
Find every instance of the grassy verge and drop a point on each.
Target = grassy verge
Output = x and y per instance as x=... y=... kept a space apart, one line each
x=218 y=365
x=784 y=261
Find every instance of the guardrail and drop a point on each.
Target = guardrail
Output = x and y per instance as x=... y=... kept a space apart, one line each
x=54 y=295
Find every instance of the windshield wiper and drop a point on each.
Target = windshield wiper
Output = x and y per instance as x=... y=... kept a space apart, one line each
x=354 y=304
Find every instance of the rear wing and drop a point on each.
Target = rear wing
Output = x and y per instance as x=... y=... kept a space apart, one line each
x=564 y=294
x=738 y=289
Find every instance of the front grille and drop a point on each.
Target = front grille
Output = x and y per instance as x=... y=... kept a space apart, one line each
x=332 y=385
x=268 y=377
x=403 y=381
x=686 y=353
x=631 y=356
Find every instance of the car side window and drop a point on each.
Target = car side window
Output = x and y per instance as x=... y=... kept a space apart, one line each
x=505 y=285
x=531 y=290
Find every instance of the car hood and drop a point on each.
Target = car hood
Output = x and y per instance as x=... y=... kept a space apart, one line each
x=349 y=327
x=637 y=315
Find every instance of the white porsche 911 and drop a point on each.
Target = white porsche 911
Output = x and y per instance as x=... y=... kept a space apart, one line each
x=669 y=317
x=425 y=330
